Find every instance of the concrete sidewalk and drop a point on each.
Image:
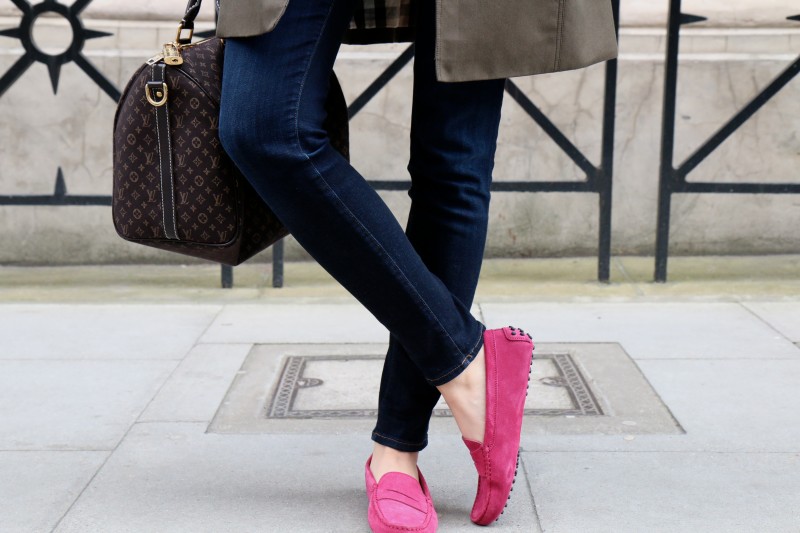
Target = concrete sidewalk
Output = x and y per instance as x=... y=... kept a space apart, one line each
x=146 y=399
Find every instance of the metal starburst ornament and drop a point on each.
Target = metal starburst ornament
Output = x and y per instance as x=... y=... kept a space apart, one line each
x=54 y=61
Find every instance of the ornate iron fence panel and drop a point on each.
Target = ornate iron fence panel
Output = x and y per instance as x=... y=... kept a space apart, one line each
x=54 y=62
x=672 y=179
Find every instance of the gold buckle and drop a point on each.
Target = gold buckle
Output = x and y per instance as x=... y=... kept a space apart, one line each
x=161 y=94
x=180 y=31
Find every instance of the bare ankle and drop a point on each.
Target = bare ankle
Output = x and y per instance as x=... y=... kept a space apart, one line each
x=385 y=460
x=466 y=397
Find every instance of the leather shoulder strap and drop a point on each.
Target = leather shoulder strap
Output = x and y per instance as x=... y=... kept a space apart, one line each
x=192 y=10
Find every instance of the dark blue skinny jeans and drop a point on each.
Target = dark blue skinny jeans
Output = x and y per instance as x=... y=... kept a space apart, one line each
x=419 y=283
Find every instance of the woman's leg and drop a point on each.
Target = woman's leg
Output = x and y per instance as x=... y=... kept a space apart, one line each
x=453 y=139
x=274 y=90
x=271 y=124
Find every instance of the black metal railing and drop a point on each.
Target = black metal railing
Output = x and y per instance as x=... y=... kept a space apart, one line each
x=672 y=179
x=54 y=62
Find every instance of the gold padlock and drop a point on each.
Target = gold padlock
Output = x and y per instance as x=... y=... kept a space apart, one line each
x=172 y=54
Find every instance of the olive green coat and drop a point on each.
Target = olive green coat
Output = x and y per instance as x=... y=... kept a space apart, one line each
x=482 y=39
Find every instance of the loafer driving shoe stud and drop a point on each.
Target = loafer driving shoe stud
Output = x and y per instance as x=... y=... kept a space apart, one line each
x=509 y=353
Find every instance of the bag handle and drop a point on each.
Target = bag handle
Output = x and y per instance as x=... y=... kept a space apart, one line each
x=192 y=10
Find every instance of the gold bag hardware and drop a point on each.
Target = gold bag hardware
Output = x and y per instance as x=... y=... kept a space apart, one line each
x=172 y=54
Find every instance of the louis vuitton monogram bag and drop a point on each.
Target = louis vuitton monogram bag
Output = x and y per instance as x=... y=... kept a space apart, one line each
x=174 y=187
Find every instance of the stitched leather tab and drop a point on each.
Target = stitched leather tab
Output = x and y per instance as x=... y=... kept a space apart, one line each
x=157 y=79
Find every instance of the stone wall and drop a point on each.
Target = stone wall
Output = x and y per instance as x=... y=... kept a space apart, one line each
x=724 y=62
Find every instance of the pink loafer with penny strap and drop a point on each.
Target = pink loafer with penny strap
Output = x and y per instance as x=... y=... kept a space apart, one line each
x=399 y=503
x=508 y=352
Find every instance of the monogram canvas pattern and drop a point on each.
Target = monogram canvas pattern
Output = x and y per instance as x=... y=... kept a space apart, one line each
x=218 y=214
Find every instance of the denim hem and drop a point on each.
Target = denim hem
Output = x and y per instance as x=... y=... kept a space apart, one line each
x=455 y=371
x=397 y=444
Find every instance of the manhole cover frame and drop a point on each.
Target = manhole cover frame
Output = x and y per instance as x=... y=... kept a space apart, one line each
x=292 y=381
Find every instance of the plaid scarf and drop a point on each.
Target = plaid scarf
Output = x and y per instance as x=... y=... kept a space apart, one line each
x=382 y=14
x=382 y=21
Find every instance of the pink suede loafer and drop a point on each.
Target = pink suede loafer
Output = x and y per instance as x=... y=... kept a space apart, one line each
x=399 y=503
x=508 y=352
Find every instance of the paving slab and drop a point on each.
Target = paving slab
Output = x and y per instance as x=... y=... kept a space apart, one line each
x=293 y=322
x=669 y=330
x=303 y=322
x=38 y=487
x=177 y=478
x=74 y=404
x=194 y=391
x=665 y=492
x=722 y=405
x=157 y=331
x=725 y=373
x=732 y=405
x=783 y=316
